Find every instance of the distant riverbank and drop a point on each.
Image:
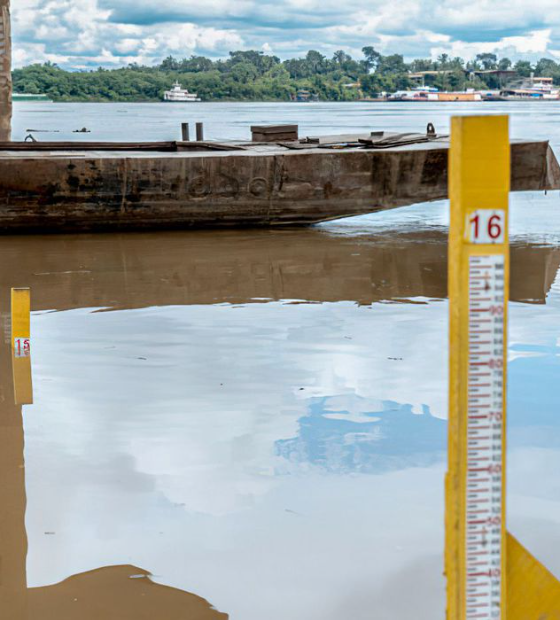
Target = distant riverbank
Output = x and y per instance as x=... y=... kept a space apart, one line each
x=256 y=77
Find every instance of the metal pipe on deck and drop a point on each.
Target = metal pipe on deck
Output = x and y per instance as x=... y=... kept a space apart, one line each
x=5 y=72
x=200 y=132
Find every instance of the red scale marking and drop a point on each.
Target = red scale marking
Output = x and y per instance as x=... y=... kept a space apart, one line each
x=482 y=541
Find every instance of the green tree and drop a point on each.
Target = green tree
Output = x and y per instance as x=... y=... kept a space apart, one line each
x=488 y=61
x=422 y=64
x=340 y=57
x=504 y=64
x=316 y=62
x=523 y=68
x=443 y=61
x=169 y=64
x=546 y=68
x=372 y=58
x=392 y=64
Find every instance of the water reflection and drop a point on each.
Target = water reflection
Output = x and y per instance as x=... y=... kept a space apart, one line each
x=256 y=417
x=13 y=539
x=112 y=592
x=139 y=270
x=348 y=434
x=115 y=593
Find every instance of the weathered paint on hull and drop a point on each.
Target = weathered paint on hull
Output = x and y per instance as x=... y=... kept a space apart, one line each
x=86 y=191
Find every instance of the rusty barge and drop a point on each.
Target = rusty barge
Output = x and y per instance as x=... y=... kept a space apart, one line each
x=270 y=181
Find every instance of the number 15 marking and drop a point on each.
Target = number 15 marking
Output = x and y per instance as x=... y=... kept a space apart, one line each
x=485 y=226
x=22 y=347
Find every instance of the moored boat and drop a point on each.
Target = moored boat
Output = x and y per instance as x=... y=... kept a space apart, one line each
x=31 y=97
x=426 y=93
x=529 y=89
x=56 y=187
x=177 y=94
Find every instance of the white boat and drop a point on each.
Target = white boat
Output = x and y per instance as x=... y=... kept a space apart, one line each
x=180 y=95
x=419 y=93
x=528 y=89
x=429 y=93
x=543 y=86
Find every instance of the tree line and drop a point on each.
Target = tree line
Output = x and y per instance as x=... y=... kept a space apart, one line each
x=255 y=76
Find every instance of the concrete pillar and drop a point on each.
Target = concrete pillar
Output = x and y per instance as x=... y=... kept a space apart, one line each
x=5 y=72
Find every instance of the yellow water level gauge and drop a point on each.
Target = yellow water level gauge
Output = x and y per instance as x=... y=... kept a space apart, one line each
x=21 y=345
x=490 y=576
x=478 y=277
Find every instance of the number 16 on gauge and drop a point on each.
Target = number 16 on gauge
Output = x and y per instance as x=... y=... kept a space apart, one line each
x=485 y=226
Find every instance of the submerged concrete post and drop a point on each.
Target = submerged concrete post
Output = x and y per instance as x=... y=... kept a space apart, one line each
x=5 y=72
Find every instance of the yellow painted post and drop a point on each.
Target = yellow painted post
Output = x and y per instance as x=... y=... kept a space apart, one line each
x=533 y=591
x=479 y=180
x=21 y=345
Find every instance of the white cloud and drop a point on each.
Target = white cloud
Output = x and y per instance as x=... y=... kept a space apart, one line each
x=534 y=43
x=127 y=46
x=78 y=33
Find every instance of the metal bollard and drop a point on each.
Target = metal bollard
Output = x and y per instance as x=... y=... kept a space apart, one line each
x=185 y=132
x=199 y=132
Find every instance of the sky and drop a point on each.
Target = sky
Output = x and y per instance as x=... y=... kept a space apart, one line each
x=79 y=34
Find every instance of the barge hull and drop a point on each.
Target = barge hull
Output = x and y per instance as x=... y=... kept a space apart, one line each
x=73 y=191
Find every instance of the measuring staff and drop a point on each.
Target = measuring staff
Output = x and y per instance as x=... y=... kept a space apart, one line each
x=479 y=170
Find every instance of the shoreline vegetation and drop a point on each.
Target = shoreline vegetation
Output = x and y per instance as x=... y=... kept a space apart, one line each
x=254 y=76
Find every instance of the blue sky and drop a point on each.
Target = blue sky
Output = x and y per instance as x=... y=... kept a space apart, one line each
x=89 y=33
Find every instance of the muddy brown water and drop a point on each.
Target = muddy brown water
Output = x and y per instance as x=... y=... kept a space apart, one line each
x=252 y=424
x=256 y=419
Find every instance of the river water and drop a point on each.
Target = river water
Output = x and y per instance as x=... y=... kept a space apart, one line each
x=258 y=418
